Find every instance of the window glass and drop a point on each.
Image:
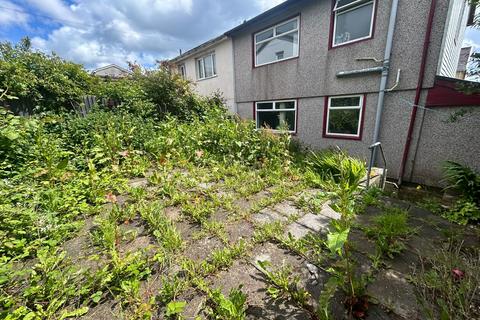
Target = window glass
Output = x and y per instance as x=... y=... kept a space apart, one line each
x=285 y=105
x=354 y=23
x=289 y=26
x=344 y=121
x=201 y=73
x=265 y=105
x=277 y=120
x=345 y=102
x=264 y=35
x=283 y=47
x=209 y=70
x=341 y=3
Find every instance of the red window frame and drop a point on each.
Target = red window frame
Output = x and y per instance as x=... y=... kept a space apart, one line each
x=332 y=27
x=327 y=135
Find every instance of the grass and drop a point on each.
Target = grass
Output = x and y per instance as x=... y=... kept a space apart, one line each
x=390 y=230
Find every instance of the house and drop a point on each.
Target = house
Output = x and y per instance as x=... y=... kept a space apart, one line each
x=210 y=68
x=111 y=71
x=350 y=73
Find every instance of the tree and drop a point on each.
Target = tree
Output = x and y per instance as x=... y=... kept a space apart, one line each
x=40 y=82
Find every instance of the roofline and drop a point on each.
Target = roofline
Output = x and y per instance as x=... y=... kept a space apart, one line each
x=455 y=80
x=203 y=46
x=274 y=11
x=111 y=65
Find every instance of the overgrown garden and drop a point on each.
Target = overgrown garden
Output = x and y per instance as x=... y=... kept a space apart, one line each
x=140 y=211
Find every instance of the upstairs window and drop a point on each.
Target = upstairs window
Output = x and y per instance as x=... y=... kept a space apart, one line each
x=277 y=43
x=206 y=67
x=353 y=21
x=277 y=115
x=344 y=116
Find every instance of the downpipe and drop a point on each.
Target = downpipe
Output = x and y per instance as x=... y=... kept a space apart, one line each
x=384 y=80
x=418 y=93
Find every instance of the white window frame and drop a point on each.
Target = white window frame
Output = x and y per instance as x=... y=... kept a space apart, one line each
x=360 y=119
x=274 y=109
x=212 y=56
x=347 y=8
x=275 y=36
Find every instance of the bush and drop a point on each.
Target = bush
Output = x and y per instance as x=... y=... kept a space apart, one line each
x=463 y=213
x=41 y=82
x=337 y=166
x=464 y=180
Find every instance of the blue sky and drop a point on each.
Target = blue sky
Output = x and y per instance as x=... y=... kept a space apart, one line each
x=99 y=32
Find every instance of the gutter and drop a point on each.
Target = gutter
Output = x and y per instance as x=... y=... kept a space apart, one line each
x=421 y=76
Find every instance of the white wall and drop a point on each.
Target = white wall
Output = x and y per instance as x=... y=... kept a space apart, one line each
x=453 y=37
x=223 y=81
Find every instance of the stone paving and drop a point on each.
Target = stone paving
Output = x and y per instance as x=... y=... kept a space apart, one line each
x=390 y=291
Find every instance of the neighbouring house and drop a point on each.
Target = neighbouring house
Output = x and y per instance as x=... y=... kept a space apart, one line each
x=465 y=54
x=329 y=72
x=210 y=68
x=111 y=71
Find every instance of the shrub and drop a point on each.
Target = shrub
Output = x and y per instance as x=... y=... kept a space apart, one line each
x=464 y=180
x=338 y=167
x=463 y=213
x=41 y=82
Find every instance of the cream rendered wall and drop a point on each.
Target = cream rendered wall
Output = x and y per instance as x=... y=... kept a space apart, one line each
x=223 y=81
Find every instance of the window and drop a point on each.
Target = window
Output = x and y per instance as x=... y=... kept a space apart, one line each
x=276 y=115
x=344 y=116
x=182 y=71
x=277 y=43
x=206 y=67
x=353 y=21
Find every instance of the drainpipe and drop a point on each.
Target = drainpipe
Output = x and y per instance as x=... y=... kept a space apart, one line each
x=418 y=93
x=384 y=80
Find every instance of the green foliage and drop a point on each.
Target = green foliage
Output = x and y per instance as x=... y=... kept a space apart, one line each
x=285 y=285
x=232 y=307
x=175 y=308
x=447 y=283
x=338 y=167
x=390 y=230
x=464 y=180
x=463 y=213
x=41 y=82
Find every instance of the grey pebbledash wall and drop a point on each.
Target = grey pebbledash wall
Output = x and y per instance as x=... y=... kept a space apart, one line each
x=312 y=76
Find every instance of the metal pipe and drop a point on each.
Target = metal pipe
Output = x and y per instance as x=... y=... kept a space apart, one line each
x=384 y=80
x=359 y=72
x=421 y=76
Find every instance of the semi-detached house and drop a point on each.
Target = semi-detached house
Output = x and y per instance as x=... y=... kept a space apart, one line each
x=316 y=67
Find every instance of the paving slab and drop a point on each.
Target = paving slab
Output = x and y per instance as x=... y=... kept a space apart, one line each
x=288 y=209
x=267 y=216
x=239 y=230
x=393 y=292
x=328 y=212
x=316 y=223
x=138 y=183
x=201 y=249
x=297 y=231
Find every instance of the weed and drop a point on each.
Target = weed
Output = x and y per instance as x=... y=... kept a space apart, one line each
x=268 y=231
x=448 y=283
x=463 y=213
x=390 y=230
x=232 y=307
x=285 y=285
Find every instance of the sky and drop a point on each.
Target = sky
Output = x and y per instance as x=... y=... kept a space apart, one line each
x=100 y=32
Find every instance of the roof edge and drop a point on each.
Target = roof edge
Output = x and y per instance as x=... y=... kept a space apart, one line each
x=200 y=47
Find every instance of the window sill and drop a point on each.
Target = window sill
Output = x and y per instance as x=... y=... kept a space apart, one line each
x=346 y=44
x=203 y=79
x=277 y=61
x=341 y=137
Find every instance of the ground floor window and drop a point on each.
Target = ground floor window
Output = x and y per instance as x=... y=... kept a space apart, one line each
x=344 y=116
x=277 y=115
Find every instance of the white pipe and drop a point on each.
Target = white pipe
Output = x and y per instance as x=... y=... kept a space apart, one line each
x=385 y=74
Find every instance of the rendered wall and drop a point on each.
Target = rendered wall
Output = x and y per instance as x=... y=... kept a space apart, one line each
x=223 y=82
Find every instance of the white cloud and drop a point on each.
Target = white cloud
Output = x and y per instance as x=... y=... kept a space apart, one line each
x=12 y=14
x=98 y=32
